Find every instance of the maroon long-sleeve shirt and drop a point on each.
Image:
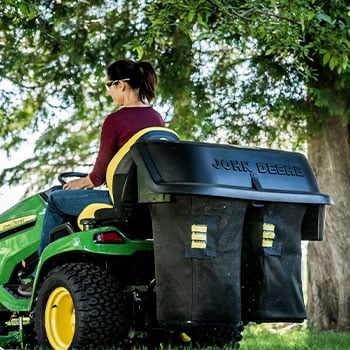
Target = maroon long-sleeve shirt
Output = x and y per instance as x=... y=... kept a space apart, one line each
x=117 y=128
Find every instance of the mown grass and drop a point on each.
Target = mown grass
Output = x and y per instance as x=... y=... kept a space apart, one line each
x=283 y=337
x=292 y=337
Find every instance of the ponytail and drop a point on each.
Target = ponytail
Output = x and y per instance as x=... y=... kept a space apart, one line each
x=141 y=74
x=148 y=83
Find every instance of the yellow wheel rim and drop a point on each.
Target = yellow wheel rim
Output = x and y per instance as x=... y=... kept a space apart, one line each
x=60 y=319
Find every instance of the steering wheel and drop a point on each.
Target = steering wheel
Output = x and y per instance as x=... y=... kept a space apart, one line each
x=62 y=177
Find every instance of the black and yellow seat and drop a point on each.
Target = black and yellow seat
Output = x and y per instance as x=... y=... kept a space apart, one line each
x=121 y=181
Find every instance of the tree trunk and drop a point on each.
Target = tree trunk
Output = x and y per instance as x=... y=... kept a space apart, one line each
x=329 y=261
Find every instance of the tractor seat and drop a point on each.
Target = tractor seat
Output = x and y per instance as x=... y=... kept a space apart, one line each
x=121 y=178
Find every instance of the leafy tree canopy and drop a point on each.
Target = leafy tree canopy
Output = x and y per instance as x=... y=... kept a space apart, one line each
x=229 y=70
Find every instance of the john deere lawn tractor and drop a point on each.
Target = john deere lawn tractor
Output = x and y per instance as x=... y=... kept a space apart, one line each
x=200 y=239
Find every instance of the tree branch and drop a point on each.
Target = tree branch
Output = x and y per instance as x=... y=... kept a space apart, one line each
x=245 y=13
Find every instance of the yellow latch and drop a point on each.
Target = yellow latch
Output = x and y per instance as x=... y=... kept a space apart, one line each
x=268 y=235
x=199 y=236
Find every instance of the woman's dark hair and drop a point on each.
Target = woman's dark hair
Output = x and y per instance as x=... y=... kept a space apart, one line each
x=141 y=74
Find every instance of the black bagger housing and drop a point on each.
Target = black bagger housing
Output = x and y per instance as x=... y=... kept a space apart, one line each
x=227 y=226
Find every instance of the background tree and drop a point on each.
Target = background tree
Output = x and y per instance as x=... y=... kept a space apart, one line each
x=262 y=72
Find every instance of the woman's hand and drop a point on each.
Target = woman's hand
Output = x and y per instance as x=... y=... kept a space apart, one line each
x=79 y=184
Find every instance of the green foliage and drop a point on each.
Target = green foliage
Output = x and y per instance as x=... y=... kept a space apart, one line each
x=274 y=64
x=230 y=71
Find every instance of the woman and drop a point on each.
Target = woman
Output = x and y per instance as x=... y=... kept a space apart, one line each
x=132 y=86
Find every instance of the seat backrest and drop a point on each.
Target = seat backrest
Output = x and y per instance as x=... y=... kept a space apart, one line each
x=121 y=180
x=122 y=163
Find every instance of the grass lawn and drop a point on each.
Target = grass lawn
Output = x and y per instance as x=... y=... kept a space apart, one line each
x=288 y=337
x=283 y=337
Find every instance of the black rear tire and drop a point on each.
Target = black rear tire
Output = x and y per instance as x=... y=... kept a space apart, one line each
x=80 y=306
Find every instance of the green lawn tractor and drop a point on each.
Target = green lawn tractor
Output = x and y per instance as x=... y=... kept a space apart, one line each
x=201 y=239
